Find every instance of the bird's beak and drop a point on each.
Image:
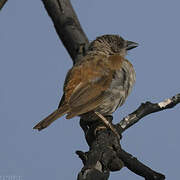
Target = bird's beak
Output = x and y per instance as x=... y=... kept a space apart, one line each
x=130 y=45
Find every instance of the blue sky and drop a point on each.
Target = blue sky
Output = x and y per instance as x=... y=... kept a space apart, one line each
x=33 y=65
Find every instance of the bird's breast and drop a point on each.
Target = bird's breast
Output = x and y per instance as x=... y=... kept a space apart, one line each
x=121 y=85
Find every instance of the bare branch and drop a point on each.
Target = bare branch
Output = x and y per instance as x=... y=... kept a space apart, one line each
x=145 y=109
x=67 y=26
x=2 y=3
x=106 y=155
x=137 y=167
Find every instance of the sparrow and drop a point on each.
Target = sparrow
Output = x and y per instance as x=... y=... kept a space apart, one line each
x=98 y=83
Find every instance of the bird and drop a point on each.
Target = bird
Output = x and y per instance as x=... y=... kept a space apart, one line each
x=98 y=83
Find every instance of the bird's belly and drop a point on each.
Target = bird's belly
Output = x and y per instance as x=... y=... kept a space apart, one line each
x=115 y=97
x=116 y=94
x=121 y=86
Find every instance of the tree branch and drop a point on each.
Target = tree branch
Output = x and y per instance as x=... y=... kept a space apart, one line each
x=67 y=26
x=145 y=109
x=2 y=3
x=137 y=167
x=106 y=155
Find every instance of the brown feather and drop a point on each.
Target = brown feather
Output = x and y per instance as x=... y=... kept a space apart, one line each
x=89 y=106
x=51 y=118
x=86 y=71
x=115 y=62
x=87 y=93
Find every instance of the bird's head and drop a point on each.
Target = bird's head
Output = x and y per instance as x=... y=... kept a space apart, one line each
x=112 y=44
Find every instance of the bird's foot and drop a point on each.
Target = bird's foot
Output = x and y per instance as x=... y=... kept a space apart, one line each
x=108 y=124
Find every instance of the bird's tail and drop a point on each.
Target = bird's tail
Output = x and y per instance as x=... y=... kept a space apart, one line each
x=51 y=118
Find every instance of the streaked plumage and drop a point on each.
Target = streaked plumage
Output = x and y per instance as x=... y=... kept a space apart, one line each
x=99 y=82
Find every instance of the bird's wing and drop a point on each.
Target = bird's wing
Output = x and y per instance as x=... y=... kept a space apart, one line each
x=88 y=96
x=87 y=83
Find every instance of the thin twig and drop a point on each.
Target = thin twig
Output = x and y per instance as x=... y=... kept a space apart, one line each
x=147 y=108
